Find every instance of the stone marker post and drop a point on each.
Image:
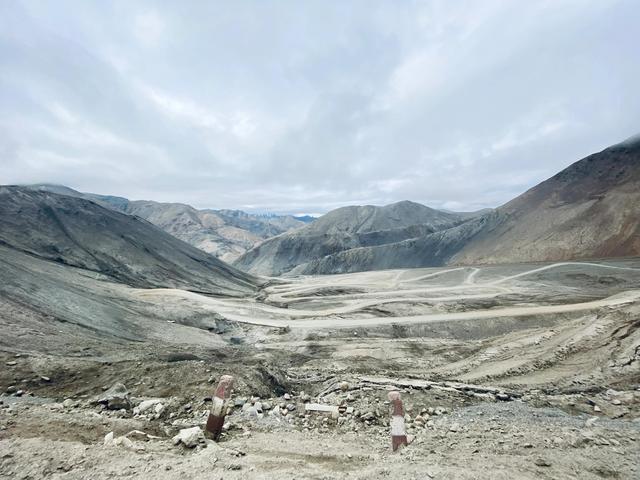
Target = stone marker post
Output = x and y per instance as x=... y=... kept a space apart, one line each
x=398 y=430
x=218 y=410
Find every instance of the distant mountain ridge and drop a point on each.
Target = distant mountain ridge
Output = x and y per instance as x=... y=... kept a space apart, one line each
x=225 y=234
x=591 y=209
x=342 y=230
x=80 y=233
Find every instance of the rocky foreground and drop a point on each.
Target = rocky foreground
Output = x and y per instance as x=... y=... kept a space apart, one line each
x=461 y=432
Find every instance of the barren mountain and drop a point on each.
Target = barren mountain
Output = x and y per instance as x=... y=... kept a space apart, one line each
x=225 y=234
x=82 y=234
x=588 y=210
x=342 y=230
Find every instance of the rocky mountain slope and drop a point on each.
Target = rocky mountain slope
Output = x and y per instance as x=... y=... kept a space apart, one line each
x=225 y=234
x=345 y=229
x=591 y=209
x=588 y=210
x=79 y=233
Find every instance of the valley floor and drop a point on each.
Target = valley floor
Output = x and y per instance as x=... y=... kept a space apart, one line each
x=518 y=371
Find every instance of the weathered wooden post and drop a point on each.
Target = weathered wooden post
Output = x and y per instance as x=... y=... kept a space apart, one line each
x=398 y=430
x=218 y=410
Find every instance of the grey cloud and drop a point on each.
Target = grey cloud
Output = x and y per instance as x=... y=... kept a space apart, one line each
x=303 y=107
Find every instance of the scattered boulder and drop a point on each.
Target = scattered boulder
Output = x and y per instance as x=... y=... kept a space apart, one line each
x=116 y=398
x=111 y=441
x=189 y=437
x=146 y=406
x=541 y=462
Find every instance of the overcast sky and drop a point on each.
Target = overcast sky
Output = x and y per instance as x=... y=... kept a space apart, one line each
x=304 y=106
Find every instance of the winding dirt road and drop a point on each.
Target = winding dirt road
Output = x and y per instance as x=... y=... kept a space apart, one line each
x=388 y=287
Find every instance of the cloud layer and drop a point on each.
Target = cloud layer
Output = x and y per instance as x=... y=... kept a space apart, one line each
x=306 y=106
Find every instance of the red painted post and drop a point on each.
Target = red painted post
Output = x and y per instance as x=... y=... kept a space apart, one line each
x=218 y=411
x=398 y=430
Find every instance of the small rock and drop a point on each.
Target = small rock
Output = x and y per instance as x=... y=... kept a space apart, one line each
x=286 y=396
x=596 y=408
x=45 y=379
x=116 y=398
x=503 y=397
x=616 y=401
x=344 y=386
x=108 y=438
x=541 y=462
x=369 y=416
x=189 y=437
x=146 y=405
x=454 y=428
x=123 y=442
x=11 y=364
x=68 y=403
x=12 y=389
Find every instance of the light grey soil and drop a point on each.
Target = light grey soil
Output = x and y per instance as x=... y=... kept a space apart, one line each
x=550 y=394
